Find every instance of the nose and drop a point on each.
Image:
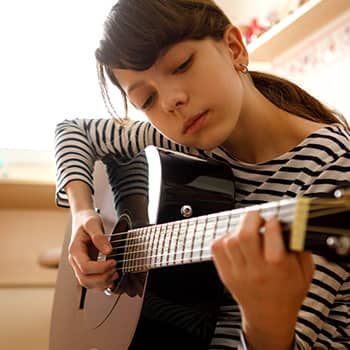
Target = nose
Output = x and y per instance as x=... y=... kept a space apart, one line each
x=173 y=100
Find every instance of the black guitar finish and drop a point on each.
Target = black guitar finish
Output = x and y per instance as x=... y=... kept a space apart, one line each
x=169 y=208
x=181 y=302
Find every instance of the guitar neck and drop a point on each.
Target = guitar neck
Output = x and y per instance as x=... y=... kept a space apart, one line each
x=188 y=241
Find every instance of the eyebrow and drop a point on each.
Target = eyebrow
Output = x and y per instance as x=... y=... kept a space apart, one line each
x=135 y=86
x=138 y=83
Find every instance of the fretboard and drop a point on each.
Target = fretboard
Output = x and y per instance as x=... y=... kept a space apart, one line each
x=187 y=241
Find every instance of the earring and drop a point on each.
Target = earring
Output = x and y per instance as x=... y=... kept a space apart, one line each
x=244 y=68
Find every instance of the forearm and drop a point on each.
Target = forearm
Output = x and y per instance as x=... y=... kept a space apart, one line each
x=79 y=196
x=280 y=338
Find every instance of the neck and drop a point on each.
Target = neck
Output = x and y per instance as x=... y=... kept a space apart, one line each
x=189 y=240
x=264 y=131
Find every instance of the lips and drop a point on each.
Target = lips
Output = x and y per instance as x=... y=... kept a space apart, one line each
x=194 y=123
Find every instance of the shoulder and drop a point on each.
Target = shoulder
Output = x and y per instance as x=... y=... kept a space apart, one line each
x=332 y=141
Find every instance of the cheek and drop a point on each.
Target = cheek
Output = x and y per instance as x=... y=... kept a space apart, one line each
x=163 y=124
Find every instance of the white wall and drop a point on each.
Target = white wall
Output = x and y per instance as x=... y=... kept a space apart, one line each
x=321 y=64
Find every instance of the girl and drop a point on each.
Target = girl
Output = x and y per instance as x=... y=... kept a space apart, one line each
x=186 y=67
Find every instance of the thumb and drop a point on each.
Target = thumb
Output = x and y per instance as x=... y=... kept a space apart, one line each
x=94 y=227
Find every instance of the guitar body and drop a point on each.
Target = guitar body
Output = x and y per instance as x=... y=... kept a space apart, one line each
x=170 y=307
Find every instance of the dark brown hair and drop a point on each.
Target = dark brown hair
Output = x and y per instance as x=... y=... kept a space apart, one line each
x=137 y=31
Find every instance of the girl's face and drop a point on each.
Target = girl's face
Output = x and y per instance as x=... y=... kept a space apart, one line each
x=193 y=93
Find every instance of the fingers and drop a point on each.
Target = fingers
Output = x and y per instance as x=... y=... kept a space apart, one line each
x=233 y=252
x=249 y=236
x=95 y=280
x=307 y=265
x=94 y=228
x=274 y=246
x=90 y=273
x=227 y=257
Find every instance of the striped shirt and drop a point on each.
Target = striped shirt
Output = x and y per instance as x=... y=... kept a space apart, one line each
x=312 y=168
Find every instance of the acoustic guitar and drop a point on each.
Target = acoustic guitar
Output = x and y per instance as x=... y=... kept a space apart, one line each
x=161 y=212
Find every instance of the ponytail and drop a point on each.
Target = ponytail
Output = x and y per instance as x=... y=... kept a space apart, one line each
x=293 y=99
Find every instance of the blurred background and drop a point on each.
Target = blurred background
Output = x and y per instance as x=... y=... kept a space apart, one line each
x=47 y=74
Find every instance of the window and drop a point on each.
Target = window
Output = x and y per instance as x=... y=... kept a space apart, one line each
x=47 y=68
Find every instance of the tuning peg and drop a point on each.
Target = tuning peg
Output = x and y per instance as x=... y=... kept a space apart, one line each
x=342 y=190
x=340 y=244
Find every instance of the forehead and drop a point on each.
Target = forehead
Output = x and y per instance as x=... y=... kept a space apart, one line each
x=130 y=79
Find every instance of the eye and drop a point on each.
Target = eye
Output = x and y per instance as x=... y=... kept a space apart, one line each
x=184 y=65
x=148 y=102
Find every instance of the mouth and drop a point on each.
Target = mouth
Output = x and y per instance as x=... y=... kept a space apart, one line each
x=194 y=123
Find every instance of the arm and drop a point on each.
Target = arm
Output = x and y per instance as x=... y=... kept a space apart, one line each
x=246 y=263
x=268 y=283
x=86 y=228
x=79 y=143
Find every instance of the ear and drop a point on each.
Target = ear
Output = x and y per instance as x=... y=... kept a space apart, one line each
x=235 y=43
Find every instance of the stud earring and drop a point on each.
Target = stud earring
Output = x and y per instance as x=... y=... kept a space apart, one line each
x=244 y=68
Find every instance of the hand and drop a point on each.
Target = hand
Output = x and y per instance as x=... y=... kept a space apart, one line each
x=268 y=283
x=86 y=229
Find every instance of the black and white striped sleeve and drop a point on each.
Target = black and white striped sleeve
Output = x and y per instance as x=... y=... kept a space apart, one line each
x=324 y=319
x=80 y=142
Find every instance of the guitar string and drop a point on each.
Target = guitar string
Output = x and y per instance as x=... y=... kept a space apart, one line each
x=191 y=251
x=144 y=264
x=188 y=232
x=214 y=216
x=190 y=238
x=190 y=235
x=164 y=228
x=313 y=229
x=318 y=210
x=141 y=265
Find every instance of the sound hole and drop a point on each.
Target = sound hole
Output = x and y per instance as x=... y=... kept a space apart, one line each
x=130 y=283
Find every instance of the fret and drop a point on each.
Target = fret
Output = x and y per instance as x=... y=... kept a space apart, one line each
x=173 y=243
x=197 y=240
x=186 y=235
x=183 y=238
x=228 y=224
x=147 y=246
x=143 y=239
x=138 y=248
x=209 y=234
x=170 y=235
x=203 y=237
x=133 y=246
x=178 y=243
x=159 y=237
x=165 y=245
x=127 y=253
x=270 y=211
x=152 y=250
x=215 y=228
x=189 y=240
x=194 y=235
x=190 y=235
x=134 y=249
x=156 y=240
x=221 y=225
x=202 y=243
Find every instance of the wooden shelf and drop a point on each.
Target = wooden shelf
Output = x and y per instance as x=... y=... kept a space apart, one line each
x=27 y=195
x=308 y=18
